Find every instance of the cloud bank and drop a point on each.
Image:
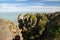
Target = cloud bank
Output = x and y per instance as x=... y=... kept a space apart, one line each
x=15 y=8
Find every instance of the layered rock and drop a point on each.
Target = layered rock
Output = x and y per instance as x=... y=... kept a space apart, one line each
x=9 y=31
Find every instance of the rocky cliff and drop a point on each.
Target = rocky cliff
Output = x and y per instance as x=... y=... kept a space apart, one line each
x=9 y=31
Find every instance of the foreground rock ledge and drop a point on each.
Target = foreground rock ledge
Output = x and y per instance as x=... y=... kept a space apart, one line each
x=9 y=31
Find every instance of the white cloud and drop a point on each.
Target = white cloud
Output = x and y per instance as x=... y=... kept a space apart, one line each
x=15 y=8
x=15 y=4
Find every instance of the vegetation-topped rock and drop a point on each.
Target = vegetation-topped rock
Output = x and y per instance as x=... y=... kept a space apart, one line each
x=41 y=26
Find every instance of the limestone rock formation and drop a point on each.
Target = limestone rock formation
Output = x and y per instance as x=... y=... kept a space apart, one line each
x=9 y=31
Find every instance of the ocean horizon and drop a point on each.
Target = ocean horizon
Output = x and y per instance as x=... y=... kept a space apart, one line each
x=12 y=16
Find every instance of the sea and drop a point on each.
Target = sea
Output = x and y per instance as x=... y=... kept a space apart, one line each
x=12 y=16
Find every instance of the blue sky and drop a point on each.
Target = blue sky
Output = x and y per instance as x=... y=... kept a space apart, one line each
x=29 y=5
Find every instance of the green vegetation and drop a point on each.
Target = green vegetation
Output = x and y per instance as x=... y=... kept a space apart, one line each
x=41 y=26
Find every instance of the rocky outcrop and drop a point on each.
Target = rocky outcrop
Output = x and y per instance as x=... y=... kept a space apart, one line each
x=40 y=26
x=9 y=31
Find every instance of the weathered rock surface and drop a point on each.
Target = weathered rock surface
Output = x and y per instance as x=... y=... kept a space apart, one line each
x=9 y=30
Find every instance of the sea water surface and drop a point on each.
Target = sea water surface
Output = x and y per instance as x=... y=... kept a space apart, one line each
x=12 y=16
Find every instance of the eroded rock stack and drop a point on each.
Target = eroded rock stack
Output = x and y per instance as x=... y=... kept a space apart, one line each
x=40 y=26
